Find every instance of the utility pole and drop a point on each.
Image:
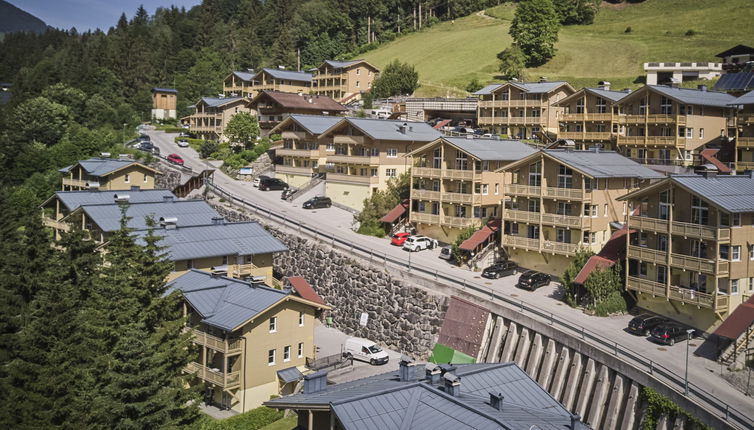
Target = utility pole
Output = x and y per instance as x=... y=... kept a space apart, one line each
x=298 y=59
x=369 y=29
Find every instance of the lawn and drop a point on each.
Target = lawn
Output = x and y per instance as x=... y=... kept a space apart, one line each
x=282 y=424
x=450 y=54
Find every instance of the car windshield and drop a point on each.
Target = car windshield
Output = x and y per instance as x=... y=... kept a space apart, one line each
x=374 y=348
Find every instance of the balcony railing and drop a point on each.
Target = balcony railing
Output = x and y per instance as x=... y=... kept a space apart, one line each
x=230 y=346
x=219 y=378
x=651 y=140
x=521 y=242
x=577 y=117
x=292 y=152
x=462 y=198
x=354 y=159
x=745 y=165
x=647 y=254
x=425 y=218
x=78 y=183
x=679 y=261
x=459 y=222
x=561 y=248
x=745 y=119
x=522 y=190
x=295 y=135
x=645 y=286
x=565 y=220
x=589 y=135
x=57 y=225
x=425 y=195
x=745 y=141
x=426 y=172
x=564 y=193
x=717 y=302
x=685 y=229
x=355 y=179
x=653 y=119
x=528 y=244
x=293 y=170
x=522 y=216
x=464 y=175
x=534 y=120
x=346 y=139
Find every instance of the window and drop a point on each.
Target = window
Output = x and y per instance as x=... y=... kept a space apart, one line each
x=698 y=249
x=724 y=219
x=565 y=177
x=585 y=238
x=666 y=106
x=485 y=189
x=374 y=152
x=751 y=252
x=751 y=285
x=643 y=239
x=624 y=208
x=724 y=252
x=588 y=183
x=271 y=357
x=643 y=269
x=390 y=173
x=437 y=158
x=420 y=206
x=146 y=178
x=699 y=211
x=689 y=110
x=662 y=243
x=664 y=204
x=563 y=208
x=689 y=132
x=533 y=205
x=535 y=176
x=563 y=236
x=580 y=106
x=662 y=274
x=735 y=253
x=497 y=189
x=435 y=185
x=127 y=178
x=601 y=105
x=273 y=324
x=701 y=133
x=374 y=171
x=330 y=147
x=358 y=72
x=594 y=211
x=605 y=210
x=461 y=211
x=392 y=152
x=189 y=264
x=478 y=212
x=514 y=229
x=287 y=353
x=736 y=220
x=300 y=349
x=462 y=162
x=300 y=319
x=532 y=232
x=733 y=286
x=435 y=208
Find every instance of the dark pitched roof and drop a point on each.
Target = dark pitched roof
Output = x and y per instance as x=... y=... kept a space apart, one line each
x=733 y=193
x=463 y=326
x=385 y=129
x=302 y=101
x=315 y=124
x=746 y=99
x=481 y=235
x=488 y=89
x=341 y=64
x=695 y=96
x=304 y=289
x=290 y=75
x=244 y=76
x=102 y=166
x=188 y=212
x=492 y=149
x=164 y=90
x=73 y=199
x=290 y=374
x=219 y=101
x=396 y=212
x=736 y=50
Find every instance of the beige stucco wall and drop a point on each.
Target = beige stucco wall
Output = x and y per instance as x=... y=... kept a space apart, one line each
x=350 y=195
x=554 y=265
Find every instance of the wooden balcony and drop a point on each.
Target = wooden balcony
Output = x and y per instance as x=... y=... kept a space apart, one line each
x=565 y=220
x=649 y=224
x=580 y=117
x=292 y=152
x=459 y=222
x=293 y=170
x=718 y=302
x=745 y=142
x=645 y=286
x=354 y=159
x=588 y=135
x=652 y=140
x=463 y=175
x=564 y=193
x=80 y=183
x=221 y=379
x=521 y=216
x=560 y=248
x=425 y=218
x=653 y=119
x=462 y=198
x=352 y=179
x=427 y=195
x=57 y=225
x=293 y=135
x=745 y=119
x=512 y=120
x=350 y=140
x=426 y=172
x=232 y=346
x=648 y=255
x=679 y=261
x=522 y=190
x=685 y=229
x=745 y=165
x=521 y=242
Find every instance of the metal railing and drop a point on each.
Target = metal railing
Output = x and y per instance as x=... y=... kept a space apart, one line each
x=659 y=373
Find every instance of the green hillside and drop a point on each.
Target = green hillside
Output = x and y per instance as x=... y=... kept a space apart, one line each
x=450 y=54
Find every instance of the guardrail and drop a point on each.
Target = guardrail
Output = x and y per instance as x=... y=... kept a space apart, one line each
x=658 y=372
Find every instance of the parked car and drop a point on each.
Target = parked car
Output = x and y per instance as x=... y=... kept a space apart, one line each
x=267 y=184
x=531 y=280
x=644 y=323
x=286 y=194
x=364 y=350
x=145 y=145
x=183 y=143
x=317 y=202
x=184 y=134
x=669 y=333
x=255 y=182
x=446 y=253
x=175 y=159
x=144 y=138
x=399 y=238
x=417 y=243
x=497 y=270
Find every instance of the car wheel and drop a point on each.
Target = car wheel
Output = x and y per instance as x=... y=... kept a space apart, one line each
x=672 y=342
x=497 y=276
x=329 y=205
x=647 y=333
x=372 y=362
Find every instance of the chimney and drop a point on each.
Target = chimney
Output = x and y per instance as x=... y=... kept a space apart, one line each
x=496 y=401
x=627 y=90
x=701 y=87
x=452 y=384
x=104 y=154
x=432 y=371
x=402 y=128
x=445 y=368
x=167 y=199
x=122 y=197
x=605 y=85
x=315 y=382
x=708 y=173
x=218 y=220
x=575 y=418
x=170 y=223
x=542 y=79
x=403 y=369
x=675 y=83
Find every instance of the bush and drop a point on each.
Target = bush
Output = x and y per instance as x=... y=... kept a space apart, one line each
x=208 y=148
x=690 y=33
x=570 y=273
x=372 y=228
x=613 y=303
x=628 y=29
x=474 y=86
x=252 y=420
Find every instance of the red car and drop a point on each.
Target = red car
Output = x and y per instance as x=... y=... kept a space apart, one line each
x=175 y=159
x=399 y=238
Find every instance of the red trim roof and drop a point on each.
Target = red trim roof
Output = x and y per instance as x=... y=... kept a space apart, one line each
x=396 y=212
x=480 y=235
x=613 y=251
x=738 y=321
x=305 y=290
x=709 y=155
x=594 y=262
x=442 y=124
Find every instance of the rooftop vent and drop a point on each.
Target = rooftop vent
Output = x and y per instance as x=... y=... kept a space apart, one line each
x=575 y=418
x=402 y=128
x=315 y=382
x=701 y=87
x=167 y=199
x=627 y=90
x=433 y=373
x=218 y=220
x=122 y=197
x=104 y=154
x=605 y=85
x=170 y=223
x=403 y=367
x=496 y=401
x=709 y=173
x=452 y=384
x=542 y=79
x=445 y=368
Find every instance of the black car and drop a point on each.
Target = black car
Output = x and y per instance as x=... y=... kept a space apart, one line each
x=531 y=280
x=669 y=333
x=266 y=184
x=146 y=146
x=503 y=268
x=144 y=138
x=317 y=202
x=643 y=324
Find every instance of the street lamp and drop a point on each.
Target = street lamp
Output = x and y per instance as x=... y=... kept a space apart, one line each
x=689 y=332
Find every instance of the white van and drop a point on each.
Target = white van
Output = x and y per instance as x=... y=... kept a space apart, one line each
x=364 y=350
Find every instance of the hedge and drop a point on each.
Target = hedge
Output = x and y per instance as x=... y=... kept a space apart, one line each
x=252 y=420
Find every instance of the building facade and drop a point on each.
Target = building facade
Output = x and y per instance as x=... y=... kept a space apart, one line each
x=272 y=107
x=690 y=249
x=108 y=174
x=664 y=73
x=164 y=101
x=238 y=84
x=211 y=116
x=456 y=183
x=248 y=337
x=744 y=131
x=562 y=200
x=522 y=109
x=287 y=81
x=591 y=117
x=344 y=81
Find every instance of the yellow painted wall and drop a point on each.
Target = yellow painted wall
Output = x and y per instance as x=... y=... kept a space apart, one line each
x=443 y=234
x=294 y=181
x=350 y=195
x=699 y=318
x=552 y=264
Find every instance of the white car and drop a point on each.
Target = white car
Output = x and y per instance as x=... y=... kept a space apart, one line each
x=183 y=143
x=417 y=243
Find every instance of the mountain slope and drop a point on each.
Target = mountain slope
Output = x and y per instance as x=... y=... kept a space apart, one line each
x=13 y=19
x=452 y=53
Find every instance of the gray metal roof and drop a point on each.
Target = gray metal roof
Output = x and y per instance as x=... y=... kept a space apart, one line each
x=219 y=101
x=290 y=374
x=383 y=401
x=603 y=164
x=241 y=238
x=316 y=124
x=244 y=76
x=733 y=193
x=383 y=129
x=608 y=94
x=695 y=97
x=746 y=99
x=488 y=89
x=538 y=87
x=99 y=166
x=341 y=64
x=188 y=212
x=73 y=199
x=492 y=149
x=289 y=75
x=223 y=302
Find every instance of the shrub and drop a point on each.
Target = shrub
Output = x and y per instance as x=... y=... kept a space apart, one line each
x=690 y=33
x=208 y=148
x=252 y=420
x=372 y=228
x=570 y=273
x=474 y=86
x=628 y=29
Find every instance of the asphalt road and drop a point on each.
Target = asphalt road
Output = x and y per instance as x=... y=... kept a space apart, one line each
x=702 y=372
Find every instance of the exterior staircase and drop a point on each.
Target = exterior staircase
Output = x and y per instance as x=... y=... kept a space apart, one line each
x=313 y=182
x=739 y=350
x=487 y=256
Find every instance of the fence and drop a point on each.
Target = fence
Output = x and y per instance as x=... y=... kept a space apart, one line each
x=658 y=372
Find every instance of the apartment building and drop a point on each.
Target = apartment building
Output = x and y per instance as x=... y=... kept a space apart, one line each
x=211 y=115
x=690 y=251
x=522 y=109
x=273 y=107
x=287 y=81
x=563 y=200
x=744 y=131
x=591 y=117
x=302 y=154
x=252 y=341
x=63 y=203
x=671 y=126
x=456 y=183
x=239 y=250
x=107 y=174
x=238 y=84
x=344 y=81
x=164 y=101
x=366 y=153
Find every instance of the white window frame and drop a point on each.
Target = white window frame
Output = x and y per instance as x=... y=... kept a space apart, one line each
x=300 y=349
x=735 y=220
x=286 y=353
x=127 y=178
x=734 y=284
x=391 y=173
x=271 y=357
x=735 y=253
x=751 y=252
x=273 y=326
x=146 y=178
x=485 y=189
x=701 y=133
x=497 y=189
x=301 y=319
